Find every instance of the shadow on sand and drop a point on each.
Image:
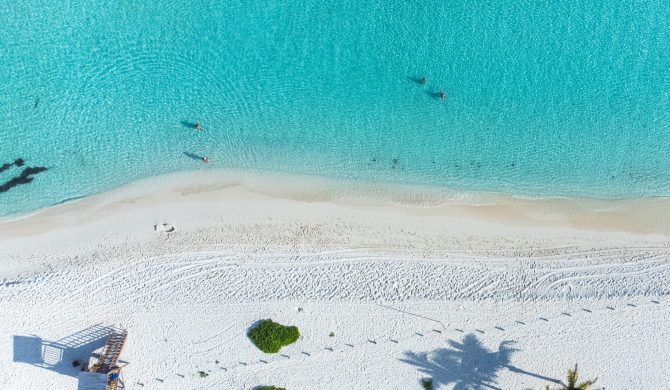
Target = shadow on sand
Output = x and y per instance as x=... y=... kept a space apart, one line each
x=467 y=365
x=58 y=356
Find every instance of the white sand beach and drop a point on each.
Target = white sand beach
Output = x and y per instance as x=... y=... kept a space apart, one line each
x=486 y=291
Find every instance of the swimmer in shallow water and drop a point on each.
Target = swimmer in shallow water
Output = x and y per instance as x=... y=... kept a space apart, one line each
x=423 y=80
x=197 y=126
x=443 y=95
x=205 y=159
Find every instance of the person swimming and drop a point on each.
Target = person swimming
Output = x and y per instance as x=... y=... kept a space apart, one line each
x=423 y=80
x=205 y=159
x=197 y=126
x=443 y=95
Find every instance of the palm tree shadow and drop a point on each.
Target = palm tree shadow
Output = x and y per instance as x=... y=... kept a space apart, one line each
x=467 y=365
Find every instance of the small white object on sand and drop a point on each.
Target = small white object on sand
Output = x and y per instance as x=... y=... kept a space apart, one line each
x=164 y=228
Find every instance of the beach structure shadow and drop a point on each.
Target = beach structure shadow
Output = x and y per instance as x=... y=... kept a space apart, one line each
x=60 y=355
x=188 y=124
x=193 y=156
x=468 y=364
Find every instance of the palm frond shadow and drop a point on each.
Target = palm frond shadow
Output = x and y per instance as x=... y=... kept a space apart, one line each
x=468 y=364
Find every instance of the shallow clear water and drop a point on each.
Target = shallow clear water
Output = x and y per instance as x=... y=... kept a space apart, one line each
x=568 y=98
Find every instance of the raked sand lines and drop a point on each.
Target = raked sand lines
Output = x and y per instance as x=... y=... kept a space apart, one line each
x=366 y=277
x=346 y=276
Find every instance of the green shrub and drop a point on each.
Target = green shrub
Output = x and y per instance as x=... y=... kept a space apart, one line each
x=268 y=388
x=270 y=336
x=203 y=374
x=427 y=383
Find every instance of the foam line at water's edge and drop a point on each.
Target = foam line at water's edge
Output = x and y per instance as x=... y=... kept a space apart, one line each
x=635 y=212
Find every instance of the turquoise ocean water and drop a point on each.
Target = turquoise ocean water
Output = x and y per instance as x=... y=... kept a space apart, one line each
x=545 y=98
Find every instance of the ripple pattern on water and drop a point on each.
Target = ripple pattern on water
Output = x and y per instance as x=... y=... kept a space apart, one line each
x=568 y=98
